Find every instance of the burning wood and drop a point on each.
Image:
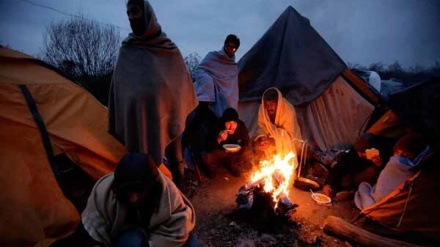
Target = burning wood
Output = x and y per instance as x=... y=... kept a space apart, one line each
x=273 y=179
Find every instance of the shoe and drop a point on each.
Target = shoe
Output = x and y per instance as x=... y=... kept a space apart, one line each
x=345 y=196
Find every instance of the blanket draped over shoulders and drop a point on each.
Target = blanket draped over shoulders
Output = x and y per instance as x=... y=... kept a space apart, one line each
x=285 y=130
x=103 y=216
x=216 y=80
x=151 y=92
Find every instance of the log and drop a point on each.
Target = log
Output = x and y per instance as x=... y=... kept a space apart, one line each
x=342 y=229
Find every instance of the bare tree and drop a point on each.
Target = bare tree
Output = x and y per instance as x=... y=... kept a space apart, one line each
x=85 y=50
x=378 y=67
x=395 y=67
x=191 y=62
x=356 y=66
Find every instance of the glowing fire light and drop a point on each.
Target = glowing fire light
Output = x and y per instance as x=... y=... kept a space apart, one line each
x=276 y=175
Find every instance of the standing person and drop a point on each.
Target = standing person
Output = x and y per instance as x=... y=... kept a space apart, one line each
x=137 y=206
x=278 y=128
x=229 y=130
x=216 y=77
x=151 y=92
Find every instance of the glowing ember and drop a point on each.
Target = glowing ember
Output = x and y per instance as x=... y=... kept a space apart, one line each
x=276 y=175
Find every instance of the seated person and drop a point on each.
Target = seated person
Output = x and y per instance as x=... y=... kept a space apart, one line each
x=277 y=126
x=353 y=167
x=137 y=206
x=408 y=152
x=229 y=130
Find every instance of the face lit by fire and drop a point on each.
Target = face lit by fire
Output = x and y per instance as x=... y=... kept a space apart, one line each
x=271 y=107
x=231 y=126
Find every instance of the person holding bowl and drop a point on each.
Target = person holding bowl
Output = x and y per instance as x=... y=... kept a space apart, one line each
x=228 y=145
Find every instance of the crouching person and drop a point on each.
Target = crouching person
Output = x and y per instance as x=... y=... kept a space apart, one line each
x=229 y=130
x=137 y=206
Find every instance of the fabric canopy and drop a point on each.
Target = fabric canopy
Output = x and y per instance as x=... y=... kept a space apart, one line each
x=33 y=209
x=291 y=56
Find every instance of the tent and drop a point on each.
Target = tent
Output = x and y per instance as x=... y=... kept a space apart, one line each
x=44 y=115
x=333 y=104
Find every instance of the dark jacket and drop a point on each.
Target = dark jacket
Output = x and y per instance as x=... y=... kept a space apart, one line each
x=240 y=137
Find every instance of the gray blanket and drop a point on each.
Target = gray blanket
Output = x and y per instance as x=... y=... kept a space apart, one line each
x=216 y=80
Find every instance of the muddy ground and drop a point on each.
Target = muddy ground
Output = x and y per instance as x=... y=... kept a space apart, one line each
x=221 y=223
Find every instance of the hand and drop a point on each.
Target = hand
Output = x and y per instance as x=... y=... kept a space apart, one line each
x=222 y=136
x=327 y=190
x=377 y=160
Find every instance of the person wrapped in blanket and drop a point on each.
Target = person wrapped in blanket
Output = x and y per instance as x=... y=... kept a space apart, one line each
x=137 y=206
x=151 y=92
x=353 y=167
x=216 y=78
x=229 y=130
x=278 y=130
x=408 y=152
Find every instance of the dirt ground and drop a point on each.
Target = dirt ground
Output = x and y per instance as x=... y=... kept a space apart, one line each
x=220 y=223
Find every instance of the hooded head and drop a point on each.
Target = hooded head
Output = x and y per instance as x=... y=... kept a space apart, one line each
x=143 y=21
x=229 y=120
x=270 y=101
x=136 y=179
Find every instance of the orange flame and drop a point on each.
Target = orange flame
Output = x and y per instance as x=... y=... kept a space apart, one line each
x=276 y=175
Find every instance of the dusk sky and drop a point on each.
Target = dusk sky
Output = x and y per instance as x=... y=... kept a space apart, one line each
x=360 y=31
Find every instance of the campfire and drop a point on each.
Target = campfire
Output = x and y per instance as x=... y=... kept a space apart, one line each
x=265 y=197
x=275 y=176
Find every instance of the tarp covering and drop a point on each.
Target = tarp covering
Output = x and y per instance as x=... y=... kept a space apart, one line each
x=33 y=209
x=291 y=56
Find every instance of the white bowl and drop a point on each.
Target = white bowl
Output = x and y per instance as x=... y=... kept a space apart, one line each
x=232 y=147
x=321 y=198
